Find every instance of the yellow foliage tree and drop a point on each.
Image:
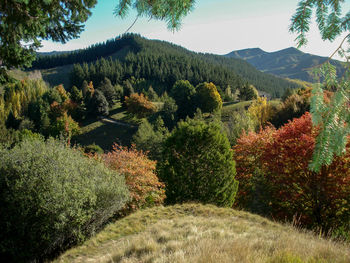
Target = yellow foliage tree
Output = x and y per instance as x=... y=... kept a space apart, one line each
x=208 y=97
x=260 y=111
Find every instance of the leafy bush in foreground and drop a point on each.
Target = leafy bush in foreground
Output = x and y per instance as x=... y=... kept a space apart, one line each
x=51 y=197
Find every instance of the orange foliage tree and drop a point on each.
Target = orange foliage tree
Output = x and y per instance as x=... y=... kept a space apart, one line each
x=139 y=171
x=139 y=105
x=278 y=160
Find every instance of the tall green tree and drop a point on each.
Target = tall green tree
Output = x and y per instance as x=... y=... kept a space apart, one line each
x=183 y=93
x=98 y=104
x=23 y=24
x=198 y=165
x=108 y=91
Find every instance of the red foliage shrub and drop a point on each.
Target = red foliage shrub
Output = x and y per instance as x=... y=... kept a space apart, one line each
x=282 y=157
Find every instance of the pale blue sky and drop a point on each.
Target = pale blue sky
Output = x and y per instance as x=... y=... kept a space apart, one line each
x=214 y=26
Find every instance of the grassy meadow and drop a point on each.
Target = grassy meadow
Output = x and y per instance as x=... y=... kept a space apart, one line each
x=204 y=233
x=117 y=127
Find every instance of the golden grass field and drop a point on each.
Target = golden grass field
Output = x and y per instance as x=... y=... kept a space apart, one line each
x=204 y=233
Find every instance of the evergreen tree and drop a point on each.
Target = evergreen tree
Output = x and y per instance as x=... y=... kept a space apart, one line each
x=108 y=91
x=248 y=92
x=35 y=20
x=76 y=95
x=149 y=138
x=198 y=165
x=98 y=104
x=183 y=93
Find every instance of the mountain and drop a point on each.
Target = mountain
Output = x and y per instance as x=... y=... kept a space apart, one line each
x=288 y=63
x=158 y=62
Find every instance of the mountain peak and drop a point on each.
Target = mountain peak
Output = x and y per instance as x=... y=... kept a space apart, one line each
x=245 y=53
x=289 y=50
x=289 y=62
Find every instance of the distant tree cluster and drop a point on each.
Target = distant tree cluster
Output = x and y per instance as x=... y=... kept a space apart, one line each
x=30 y=105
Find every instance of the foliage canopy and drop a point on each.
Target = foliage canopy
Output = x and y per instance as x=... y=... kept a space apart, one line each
x=24 y=23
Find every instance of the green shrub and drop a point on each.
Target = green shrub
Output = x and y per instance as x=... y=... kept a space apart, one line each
x=51 y=197
x=93 y=148
x=198 y=165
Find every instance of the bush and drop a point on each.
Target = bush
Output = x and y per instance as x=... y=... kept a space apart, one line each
x=52 y=197
x=150 y=138
x=198 y=165
x=93 y=149
x=280 y=158
x=144 y=186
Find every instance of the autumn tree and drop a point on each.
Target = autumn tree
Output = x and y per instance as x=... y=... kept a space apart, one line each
x=139 y=105
x=143 y=184
x=260 y=111
x=281 y=157
x=208 y=98
x=197 y=165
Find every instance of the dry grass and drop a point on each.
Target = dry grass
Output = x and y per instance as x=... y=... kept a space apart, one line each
x=198 y=233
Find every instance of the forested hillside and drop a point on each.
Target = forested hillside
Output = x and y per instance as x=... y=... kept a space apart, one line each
x=161 y=63
x=288 y=63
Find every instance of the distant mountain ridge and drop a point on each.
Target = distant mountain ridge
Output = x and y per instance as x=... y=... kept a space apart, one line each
x=288 y=63
x=156 y=61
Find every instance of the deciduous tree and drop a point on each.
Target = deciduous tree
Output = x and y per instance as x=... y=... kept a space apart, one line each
x=208 y=98
x=143 y=184
x=139 y=105
x=282 y=157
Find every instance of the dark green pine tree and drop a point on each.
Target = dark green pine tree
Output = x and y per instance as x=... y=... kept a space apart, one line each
x=198 y=165
x=108 y=91
x=183 y=93
x=98 y=104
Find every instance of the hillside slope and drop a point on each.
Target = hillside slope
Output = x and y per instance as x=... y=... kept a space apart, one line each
x=289 y=62
x=203 y=233
x=160 y=61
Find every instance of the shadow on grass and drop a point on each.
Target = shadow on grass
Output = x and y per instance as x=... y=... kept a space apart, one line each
x=116 y=110
x=105 y=135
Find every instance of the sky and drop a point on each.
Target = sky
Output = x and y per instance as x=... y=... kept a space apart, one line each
x=214 y=26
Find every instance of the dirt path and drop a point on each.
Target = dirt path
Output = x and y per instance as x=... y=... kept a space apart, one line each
x=106 y=119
